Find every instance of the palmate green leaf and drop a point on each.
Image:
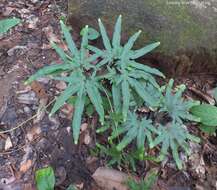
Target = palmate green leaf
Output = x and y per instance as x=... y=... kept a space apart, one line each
x=176 y=154
x=116 y=132
x=60 y=52
x=144 y=50
x=135 y=129
x=156 y=94
x=145 y=131
x=74 y=77
x=45 y=179
x=66 y=94
x=92 y=58
x=7 y=24
x=139 y=74
x=95 y=98
x=207 y=114
x=129 y=45
x=105 y=37
x=79 y=108
x=126 y=97
x=48 y=70
x=102 y=62
x=69 y=40
x=173 y=136
x=141 y=91
x=116 y=41
x=103 y=129
x=177 y=108
x=146 y=69
x=116 y=96
x=96 y=50
x=84 y=44
x=141 y=136
x=128 y=138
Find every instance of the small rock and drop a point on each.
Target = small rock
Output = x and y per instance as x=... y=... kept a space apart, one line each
x=8 y=143
x=61 y=85
x=87 y=138
x=34 y=1
x=197 y=165
x=32 y=21
x=67 y=110
x=44 y=80
x=33 y=132
x=84 y=126
x=29 y=98
x=27 y=109
x=12 y=50
x=55 y=122
x=109 y=179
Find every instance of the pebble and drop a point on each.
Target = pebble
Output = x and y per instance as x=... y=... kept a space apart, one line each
x=67 y=111
x=29 y=98
x=27 y=109
x=8 y=143
x=10 y=116
x=61 y=85
x=44 y=80
x=32 y=21
x=55 y=123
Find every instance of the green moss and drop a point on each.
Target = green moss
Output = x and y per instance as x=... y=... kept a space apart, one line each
x=175 y=26
x=183 y=28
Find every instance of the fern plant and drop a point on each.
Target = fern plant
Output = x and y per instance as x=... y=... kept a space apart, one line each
x=84 y=79
x=81 y=79
x=134 y=129
x=176 y=107
x=124 y=158
x=173 y=136
x=124 y=71
x=144 y=184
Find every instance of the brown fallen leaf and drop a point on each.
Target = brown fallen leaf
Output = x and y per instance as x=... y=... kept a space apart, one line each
x=26 y=166
x=39 y=89
x=87 y=138
x=33 y=132
x=109 y=179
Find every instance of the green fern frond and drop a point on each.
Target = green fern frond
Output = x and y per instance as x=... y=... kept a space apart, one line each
x=173 y=136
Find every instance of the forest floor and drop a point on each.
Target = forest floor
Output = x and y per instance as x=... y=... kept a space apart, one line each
x=30 y=140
